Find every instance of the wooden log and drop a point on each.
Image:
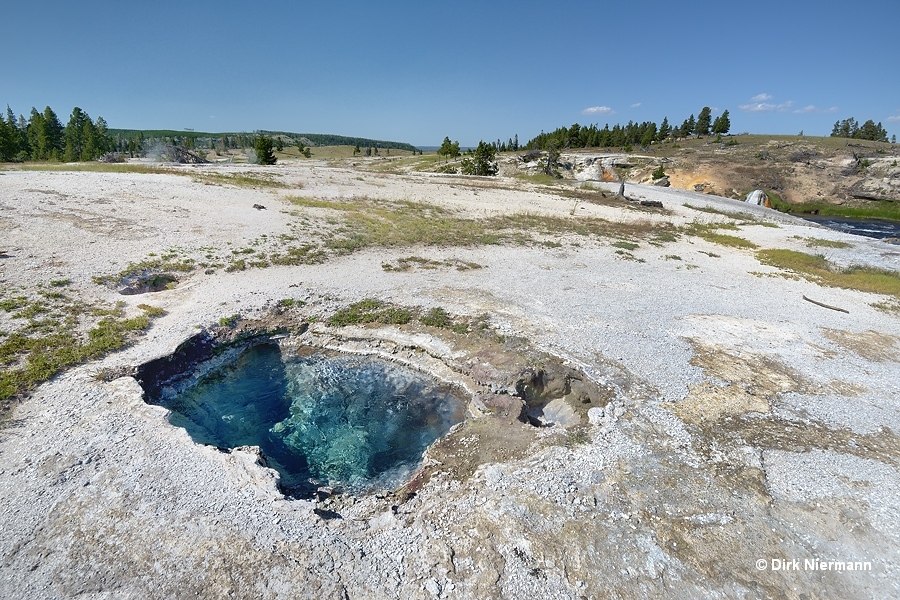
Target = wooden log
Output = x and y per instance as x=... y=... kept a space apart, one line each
x=823 y=305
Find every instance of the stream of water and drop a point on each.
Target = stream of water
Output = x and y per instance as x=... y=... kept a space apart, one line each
x=875 y=228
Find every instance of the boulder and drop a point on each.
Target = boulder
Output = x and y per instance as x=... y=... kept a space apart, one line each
x=662 y=182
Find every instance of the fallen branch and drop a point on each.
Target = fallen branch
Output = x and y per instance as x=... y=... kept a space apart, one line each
x=826 y=305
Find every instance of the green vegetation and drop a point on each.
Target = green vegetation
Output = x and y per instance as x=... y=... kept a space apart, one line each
x=153 y=267
x=436 y=317
x=823 y=243
x=708 y=232
x=99 y=167
x=367 y=223
x=249 y=180
x=410 y=262
x=288 y=302
x=818 y=269
x=633 y=134
x=625 y=245
x=370 y=310
x=42 y=137
x=704 y=121
x=873 y=209
x=45 y=338
x=229 y=321
x=539 y=178
x=264 y=148
x=727 y=240
x=849 y=128
x=481 y=161
x=721 y=126
x=448 y=149
x=152 y=311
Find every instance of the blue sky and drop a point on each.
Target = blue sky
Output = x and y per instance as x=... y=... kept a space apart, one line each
x=419 y=71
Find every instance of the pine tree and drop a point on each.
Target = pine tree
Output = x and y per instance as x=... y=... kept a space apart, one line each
x=482 y=161
x=664 y=130
x=722 y=124
x=444 y=150
x=7 y=150
x=54 y=132
x=703 y=121
x=263 y=147
x=36 y=132
x=73 y=135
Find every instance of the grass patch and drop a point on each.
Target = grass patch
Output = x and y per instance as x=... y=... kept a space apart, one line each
x=436 y=317
x=70 y=333
x=818 y=269
x=709 y=232
x=410 y=262
x=892 y=307
x=307 y=254
x=539 y=178
x=625 y=245
x=244 y=180
x=823 y=243
x=629 y=256
x=728 y=240
x=289 y=302
x=366 y=223
x=873 y=209
x=370 y=310
x=745 y=218
x=98 y=167
x=152 y=311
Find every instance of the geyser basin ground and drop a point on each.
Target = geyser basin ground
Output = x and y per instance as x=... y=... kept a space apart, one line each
x=103 y=497
x=352 y=422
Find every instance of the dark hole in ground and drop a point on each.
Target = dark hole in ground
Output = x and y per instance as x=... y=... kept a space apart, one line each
x=355 y=423
x=146 y=282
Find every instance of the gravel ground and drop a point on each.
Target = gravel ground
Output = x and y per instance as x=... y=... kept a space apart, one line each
x=748 y=427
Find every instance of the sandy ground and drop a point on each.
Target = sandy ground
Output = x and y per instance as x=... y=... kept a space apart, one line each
x=750 y=442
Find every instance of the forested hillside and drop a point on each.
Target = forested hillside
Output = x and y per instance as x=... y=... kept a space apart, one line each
x=42 y=136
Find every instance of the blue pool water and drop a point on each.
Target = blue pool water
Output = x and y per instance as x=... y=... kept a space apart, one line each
x=353 y=422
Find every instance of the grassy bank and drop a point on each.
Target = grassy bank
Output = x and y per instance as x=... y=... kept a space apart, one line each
x=818 y=269
x=874 y=209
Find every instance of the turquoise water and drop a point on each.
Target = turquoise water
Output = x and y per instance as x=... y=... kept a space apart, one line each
x=356 y=423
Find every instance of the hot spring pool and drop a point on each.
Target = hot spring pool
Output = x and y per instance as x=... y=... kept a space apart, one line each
x=353 y=422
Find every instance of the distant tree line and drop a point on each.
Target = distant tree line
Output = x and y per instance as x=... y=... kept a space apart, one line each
x=849 y=128
x=632 y=134
x=43 y=137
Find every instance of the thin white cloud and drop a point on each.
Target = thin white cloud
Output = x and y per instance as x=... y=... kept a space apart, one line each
x=758 y=107
x=812 y=108
x=767 y=107
x=635 y=105
x=894 y=119
x=761 y=97
x=598 y=110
